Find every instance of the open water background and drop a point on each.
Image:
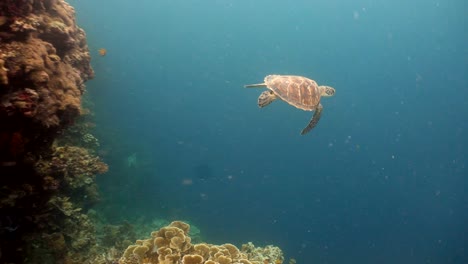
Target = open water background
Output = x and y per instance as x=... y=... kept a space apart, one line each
x=381 y=179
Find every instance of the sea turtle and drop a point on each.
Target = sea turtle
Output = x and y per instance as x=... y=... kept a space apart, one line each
x=298 y=91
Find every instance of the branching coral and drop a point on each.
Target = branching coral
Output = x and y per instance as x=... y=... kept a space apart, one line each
x=64 y=205
x=75 y=167
x=269 y=253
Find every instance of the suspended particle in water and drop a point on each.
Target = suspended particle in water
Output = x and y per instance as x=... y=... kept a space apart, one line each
x=187 y=181
x=356 y=15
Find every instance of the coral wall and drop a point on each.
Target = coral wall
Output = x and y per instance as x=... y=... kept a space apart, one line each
x=46 y=185
x=44 y=63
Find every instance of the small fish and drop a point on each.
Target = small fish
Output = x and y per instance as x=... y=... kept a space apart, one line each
x=102 y=52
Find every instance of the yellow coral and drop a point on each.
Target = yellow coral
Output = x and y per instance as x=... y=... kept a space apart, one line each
x=172 y=237
x=233 y=250
x=192 y=259
x=221 y=259
x=171 y=245
x=168 y=256
x=140 y=251
x=216 y=251
x=202 y=250
x=129 y=251
x=179 y=224
x=147 y=242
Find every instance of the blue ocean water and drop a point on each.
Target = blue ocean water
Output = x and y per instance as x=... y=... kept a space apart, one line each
x=381 y=179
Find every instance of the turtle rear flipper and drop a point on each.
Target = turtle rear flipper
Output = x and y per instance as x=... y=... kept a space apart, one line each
x=266 y=98
x=314 y=121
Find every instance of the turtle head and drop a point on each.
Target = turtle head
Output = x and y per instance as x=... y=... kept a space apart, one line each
x=326 y=90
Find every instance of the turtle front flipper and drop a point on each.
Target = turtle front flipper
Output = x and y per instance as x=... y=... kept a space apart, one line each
x=266 y=98
x=257 y=85
x=314 y=121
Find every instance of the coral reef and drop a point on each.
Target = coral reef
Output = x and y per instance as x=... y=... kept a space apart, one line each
x=172 y=245
x=47 y=207
x=118 y=237
x=3 y=73
x=269 y=253
x=44 y=63
x=71 y=166
x=48 y=55
x=47 y=185
x=49 y=162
